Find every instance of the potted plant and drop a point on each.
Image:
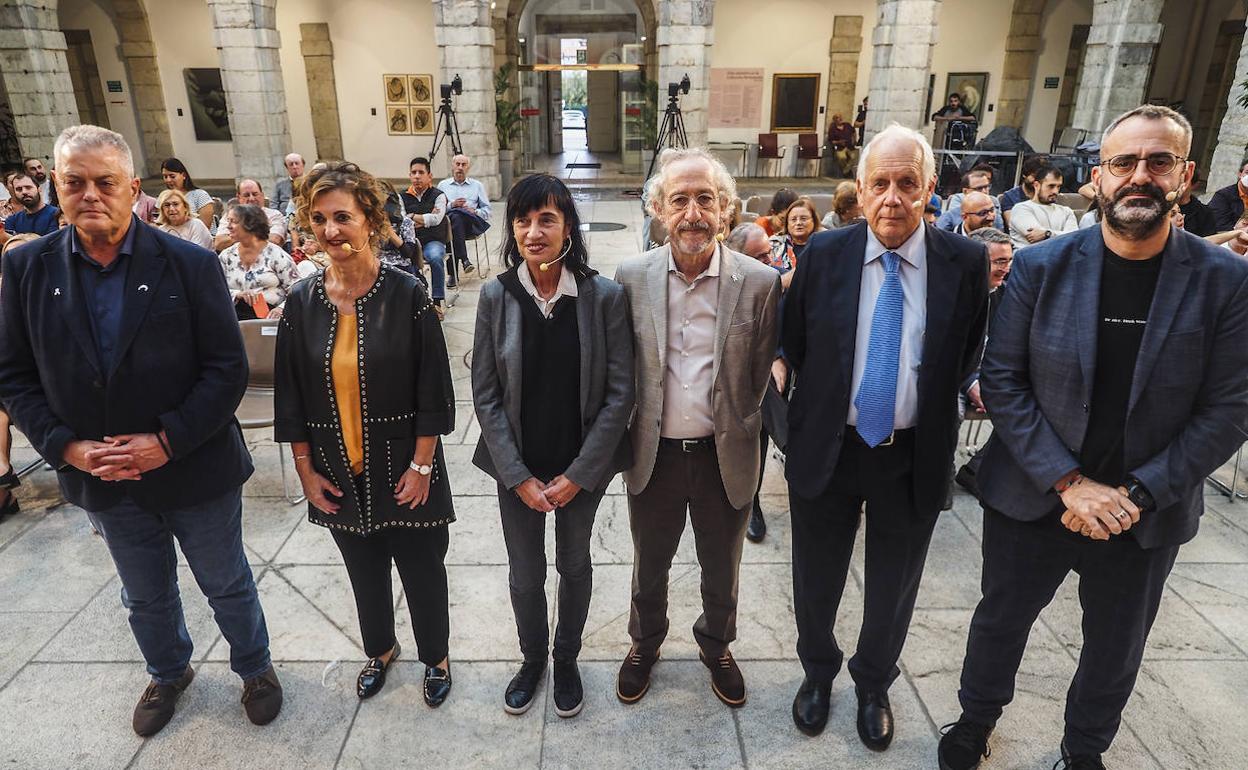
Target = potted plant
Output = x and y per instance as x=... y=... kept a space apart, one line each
x=648 y=120
x=508 y=122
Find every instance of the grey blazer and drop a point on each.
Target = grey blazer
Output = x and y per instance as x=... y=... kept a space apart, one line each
x=606 y=384
x=745 y=345
x=1189 y=395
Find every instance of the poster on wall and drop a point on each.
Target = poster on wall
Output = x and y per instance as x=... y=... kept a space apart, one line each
x=421 y=89
x=396 y=89
x=398 y=120
x=794 y=102
x=209 y=114
x=736 y=99
x=972 y=87
x=422 y=119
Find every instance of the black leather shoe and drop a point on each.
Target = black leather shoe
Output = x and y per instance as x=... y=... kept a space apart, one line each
x=811 y=706
x=569 y=693
x=155 y=708
x=1078 y=761
x=634 y=679
x=966 y=479
x=963 y=744
x=437 y=685
x=875 y=719
x=757 y=530
x=522 y=688
x=373 y=676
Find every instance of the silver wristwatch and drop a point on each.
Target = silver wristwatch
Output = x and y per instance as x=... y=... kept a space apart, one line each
x=423 y=470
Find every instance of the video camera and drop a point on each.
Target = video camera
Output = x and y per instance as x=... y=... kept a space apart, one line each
x=675 y=89
x=456 y=87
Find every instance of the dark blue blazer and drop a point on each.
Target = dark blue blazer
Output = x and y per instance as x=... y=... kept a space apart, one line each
x=179 y=366
x=1189 y=395
x=819 y=336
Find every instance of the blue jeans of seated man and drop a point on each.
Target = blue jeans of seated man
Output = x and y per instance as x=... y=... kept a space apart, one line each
x=211 y=536
x=435 y=256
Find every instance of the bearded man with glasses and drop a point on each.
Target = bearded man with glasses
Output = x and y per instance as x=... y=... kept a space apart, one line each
x=1116 y=378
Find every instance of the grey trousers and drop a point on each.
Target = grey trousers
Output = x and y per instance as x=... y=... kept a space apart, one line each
x=685 y=481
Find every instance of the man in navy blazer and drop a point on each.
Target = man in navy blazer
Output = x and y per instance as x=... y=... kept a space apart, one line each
x=882 y=323
x=1116 y=377
x=122 y=362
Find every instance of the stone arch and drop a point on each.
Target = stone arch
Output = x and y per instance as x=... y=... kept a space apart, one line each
x=507 y=32
x=138 y=51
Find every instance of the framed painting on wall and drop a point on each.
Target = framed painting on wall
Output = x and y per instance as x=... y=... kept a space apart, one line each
x=422 y=119
x=972 y=87
x=398 y=120
x=395 y=89
x=795 y=102
x=206 y=98
x=421 y=89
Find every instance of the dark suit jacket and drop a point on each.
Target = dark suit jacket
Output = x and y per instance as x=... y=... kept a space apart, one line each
x=179 y=366
x=819 y=338
x=1189 y=395
x=1227 y=207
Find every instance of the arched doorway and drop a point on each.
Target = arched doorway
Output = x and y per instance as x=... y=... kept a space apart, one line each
x=582 y=68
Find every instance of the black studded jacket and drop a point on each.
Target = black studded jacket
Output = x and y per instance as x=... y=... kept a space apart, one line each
x=405 y=392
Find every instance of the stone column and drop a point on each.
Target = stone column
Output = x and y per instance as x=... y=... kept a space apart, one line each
x=1232 y=146
x=36 y=75
x=685 y=35
x=844 y=51
x=139 y=53
x=1117 y=61
x=251 y=72
x=465 y=38
x=318 y=61
x=1022 y=51
x=905 y=33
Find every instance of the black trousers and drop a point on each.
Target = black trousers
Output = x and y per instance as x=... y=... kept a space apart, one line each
x=685 y=481
x=419 y=555
x=524 y=531
x=464 y=225
x=823 y=542
x=1120 y=588
x=763 y=441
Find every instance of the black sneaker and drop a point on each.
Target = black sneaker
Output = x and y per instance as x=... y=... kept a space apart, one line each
x=963 y=744
x=569 y=694
x=522 y=688
x=155 y=708
x=1078 y=761
x=468 y=268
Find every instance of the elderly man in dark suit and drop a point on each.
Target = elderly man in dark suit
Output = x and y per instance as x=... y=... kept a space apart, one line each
x=1116 y=377
x=121 y=361
x=704 y=337
x=881 y=323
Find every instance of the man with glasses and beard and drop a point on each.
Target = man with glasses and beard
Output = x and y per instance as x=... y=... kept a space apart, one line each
x=1116 y=376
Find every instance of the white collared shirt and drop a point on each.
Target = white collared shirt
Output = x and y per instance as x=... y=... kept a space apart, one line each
x=912 y=270
x=687 y=381
x=566 y=288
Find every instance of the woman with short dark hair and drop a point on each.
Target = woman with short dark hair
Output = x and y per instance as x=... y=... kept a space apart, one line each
x=552 y=383
x=259 y=274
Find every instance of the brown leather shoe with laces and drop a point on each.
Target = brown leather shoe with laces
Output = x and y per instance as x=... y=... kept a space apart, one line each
x=634 y=678
x=262 y=697
x=726 y=680
x=155 y=707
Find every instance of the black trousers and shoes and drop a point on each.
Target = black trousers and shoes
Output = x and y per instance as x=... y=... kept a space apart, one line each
x=569 y=693
x=522 y=689
x=756 y=530
x=963 y=745
x=811 y=706
x=897 y=539
x=1120 y=589
x=373 y=676
x=464 y=226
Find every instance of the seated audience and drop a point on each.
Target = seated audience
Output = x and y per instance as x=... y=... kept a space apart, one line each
x=284 y=190
x=751 y=240
x=799 y=222
x=8 y=477
x=258 y=273
x=845 y=207
x=36 y=216
x=9 y=205
x=842 y=146
x=426 y=206
x=399 y=245
x=780 y=202
x=469 y=211
x=250 y=194
x=977 y=211
x=146 y=208
x=174 y=217
x=930 y=212
x=1227 y=204
x=1198 y=219
x=176 y=177
x=1025 y=189
x=1042 y=217
x=972 y=181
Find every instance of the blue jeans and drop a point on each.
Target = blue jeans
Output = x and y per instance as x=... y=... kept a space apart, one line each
x=435 y=256
x=211 y=536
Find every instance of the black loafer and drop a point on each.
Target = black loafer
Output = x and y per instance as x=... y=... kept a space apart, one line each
x=569 y=693
x=373 y=676
x=522 y=689
x=757 y=529
x=437 y=685
x=811 y=706
x=875 y=719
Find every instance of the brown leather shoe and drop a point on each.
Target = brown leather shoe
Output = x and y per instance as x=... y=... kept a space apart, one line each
x=726 y=680
x=634 y=678
x=155 y=707
x=262 y=697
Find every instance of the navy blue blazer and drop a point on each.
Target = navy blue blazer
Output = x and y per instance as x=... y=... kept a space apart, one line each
x=1189 y=395
x=819 y=337
x=179 y=366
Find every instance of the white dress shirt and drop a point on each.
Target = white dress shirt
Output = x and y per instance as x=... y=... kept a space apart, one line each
x=912 y=270
x=471 y=191
x=691 y=311
x=566 y=288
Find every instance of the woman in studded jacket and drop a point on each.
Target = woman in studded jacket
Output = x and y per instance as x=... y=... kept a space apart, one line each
x=363 y=392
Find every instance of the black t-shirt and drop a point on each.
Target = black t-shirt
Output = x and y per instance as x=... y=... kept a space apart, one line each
x=1127 y=288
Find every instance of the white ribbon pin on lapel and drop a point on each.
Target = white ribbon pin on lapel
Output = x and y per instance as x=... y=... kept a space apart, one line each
x=56 y=292
x=142 y=287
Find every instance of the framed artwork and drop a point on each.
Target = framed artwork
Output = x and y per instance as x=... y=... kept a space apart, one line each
x=398 y=120
x=206 y=96
x=422 y=119
x=421 y=89
x=795 y=102
x=395 y=89
x=973 y=87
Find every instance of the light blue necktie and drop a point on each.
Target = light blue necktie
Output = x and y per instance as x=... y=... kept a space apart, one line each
x=877 y=393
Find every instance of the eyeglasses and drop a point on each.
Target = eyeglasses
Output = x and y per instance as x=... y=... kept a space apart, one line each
x=983 y=188
x=982 y=214
x=800 y=220
x=1002 y=262
x=1158 y=164
x=704 y=201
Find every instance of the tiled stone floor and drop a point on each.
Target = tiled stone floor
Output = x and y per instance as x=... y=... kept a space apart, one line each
x=70 y=671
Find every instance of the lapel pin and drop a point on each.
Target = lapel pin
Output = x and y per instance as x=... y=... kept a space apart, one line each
x=736 y=277
x=56 y=292
x=142 y=287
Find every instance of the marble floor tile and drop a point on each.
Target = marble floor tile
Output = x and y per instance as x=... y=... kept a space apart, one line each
x=22 y=634
x=1190 y=714
x=1219 y=593
x=55 y=565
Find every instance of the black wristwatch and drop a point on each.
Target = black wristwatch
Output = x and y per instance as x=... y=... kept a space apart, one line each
x=1138 y=493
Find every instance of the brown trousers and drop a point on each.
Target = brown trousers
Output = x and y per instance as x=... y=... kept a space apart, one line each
x=685 y=480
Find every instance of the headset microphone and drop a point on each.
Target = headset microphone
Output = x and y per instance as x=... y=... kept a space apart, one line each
x=917 y=204
x=546 y=265
x=1170 y=196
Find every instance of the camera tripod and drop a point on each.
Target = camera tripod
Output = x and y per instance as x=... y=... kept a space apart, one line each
x=446 y=126
x=671 y=130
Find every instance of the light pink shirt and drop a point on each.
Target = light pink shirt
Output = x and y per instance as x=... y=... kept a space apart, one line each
x=687 y=382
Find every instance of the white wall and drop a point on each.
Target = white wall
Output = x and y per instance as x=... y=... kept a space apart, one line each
x=1060 y=17
x=122 y=118
x=971 y=37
